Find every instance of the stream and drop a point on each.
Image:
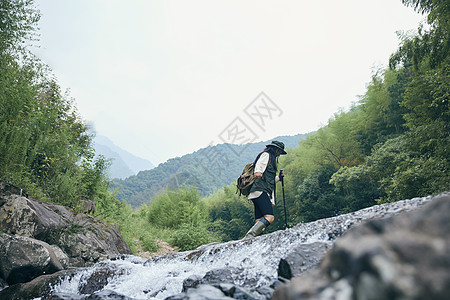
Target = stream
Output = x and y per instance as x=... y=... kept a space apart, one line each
x=251 y=262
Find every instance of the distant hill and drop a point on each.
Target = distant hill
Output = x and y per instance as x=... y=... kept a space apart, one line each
x=208 y=169
x=124 y=164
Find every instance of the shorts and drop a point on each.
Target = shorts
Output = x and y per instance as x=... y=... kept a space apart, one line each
x=263 y=206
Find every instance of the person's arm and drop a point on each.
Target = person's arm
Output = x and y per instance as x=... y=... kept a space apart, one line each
x=261 y=165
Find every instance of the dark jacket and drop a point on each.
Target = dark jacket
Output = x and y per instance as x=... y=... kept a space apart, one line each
x=267 y=182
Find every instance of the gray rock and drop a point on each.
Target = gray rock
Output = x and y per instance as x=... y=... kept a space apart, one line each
x=3 y=284
x=37 y=288
x=84 y=240
x=401 y=257
x=206 y=292
x=61 y=256
x=23 y=259
x=98 y=279
x=89 y=206
x=217 y=276
x=302 y=258
x=106 y=295
x=191 y=282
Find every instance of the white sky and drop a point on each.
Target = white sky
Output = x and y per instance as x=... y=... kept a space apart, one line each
x=166 y=78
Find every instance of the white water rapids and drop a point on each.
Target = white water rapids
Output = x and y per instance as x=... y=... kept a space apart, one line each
x=254 y=261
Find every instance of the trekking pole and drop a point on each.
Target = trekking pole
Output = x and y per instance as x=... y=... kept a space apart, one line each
x=284 y=199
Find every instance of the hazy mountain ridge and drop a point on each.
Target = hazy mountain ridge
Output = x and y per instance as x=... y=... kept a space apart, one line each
x=208 y=169
x=123 y=163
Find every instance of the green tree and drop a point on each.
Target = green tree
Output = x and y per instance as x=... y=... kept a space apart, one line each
x=230 y=215
x=317 y=198
x=379 y=114
x=177 y=207
x=18 y=25
x=44 y=144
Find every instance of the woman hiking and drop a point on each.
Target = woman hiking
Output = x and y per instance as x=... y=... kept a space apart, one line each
x=262 y=192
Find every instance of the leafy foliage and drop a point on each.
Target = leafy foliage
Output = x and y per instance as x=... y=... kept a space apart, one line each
x=188 y=237
x=182 y=211
x=231 y=216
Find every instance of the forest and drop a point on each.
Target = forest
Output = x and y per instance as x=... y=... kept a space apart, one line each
x=208 y=169
x=391 y=145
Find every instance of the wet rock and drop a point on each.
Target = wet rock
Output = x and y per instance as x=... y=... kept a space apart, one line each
x=219 y=276
x=239 y=292
x=265 y=291
x=38 y=287
x=302 y=258
x=101 y=295
x=191 y=282
x=107 y=295
x=3 y=284
x=400 y=257
x=23 y=259
x=203 y=292
x=224 y=291
x=98 y=279
x=64 y=296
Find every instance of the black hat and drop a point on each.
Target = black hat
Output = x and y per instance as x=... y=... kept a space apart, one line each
x=278 y=145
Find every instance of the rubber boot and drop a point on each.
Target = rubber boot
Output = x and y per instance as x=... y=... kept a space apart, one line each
x=258 y=228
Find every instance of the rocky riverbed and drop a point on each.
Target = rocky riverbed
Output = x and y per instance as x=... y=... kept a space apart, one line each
x=267 y=267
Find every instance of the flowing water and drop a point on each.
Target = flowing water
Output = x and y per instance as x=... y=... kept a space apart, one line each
x=253 y=262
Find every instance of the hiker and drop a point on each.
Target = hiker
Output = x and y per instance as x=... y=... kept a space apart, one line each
x=262 y=192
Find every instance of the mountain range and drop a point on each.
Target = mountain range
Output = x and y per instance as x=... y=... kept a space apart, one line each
x=123 y=163
x=208 y=169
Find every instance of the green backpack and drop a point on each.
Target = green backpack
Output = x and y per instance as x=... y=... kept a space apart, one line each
x=245 y=181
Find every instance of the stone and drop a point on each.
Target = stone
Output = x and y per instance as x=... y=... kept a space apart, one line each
x=206 y=292
x=302 y=258
x=217 y=276
x=89 y=206
x=36 y=288
x=97 y=280
x=191 y=282
x=82 y=239
x=23 y=259
x=3 y=284
x=400 y=257
x=107 y=295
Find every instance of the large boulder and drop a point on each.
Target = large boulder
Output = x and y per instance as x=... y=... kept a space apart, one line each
x=85 y=239
x=402 y=257
x=23 y=259
x=42 y=288
x=26 y=217
x=40 y=238
x=301 y=259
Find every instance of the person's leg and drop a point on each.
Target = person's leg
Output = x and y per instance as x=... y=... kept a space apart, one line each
x=270 y=218
x=263 y=215
x=258 y=213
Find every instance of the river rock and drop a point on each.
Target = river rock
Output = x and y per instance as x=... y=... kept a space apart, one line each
x=302 y=258
x=84 y=240
x=36 y=288
x=97 y=280
x=203 y=292
x=3 y=284
x=23 y=259
x=400 y=257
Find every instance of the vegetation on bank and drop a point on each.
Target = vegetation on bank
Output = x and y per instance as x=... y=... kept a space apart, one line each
x=391 y=145
x=199 y=169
